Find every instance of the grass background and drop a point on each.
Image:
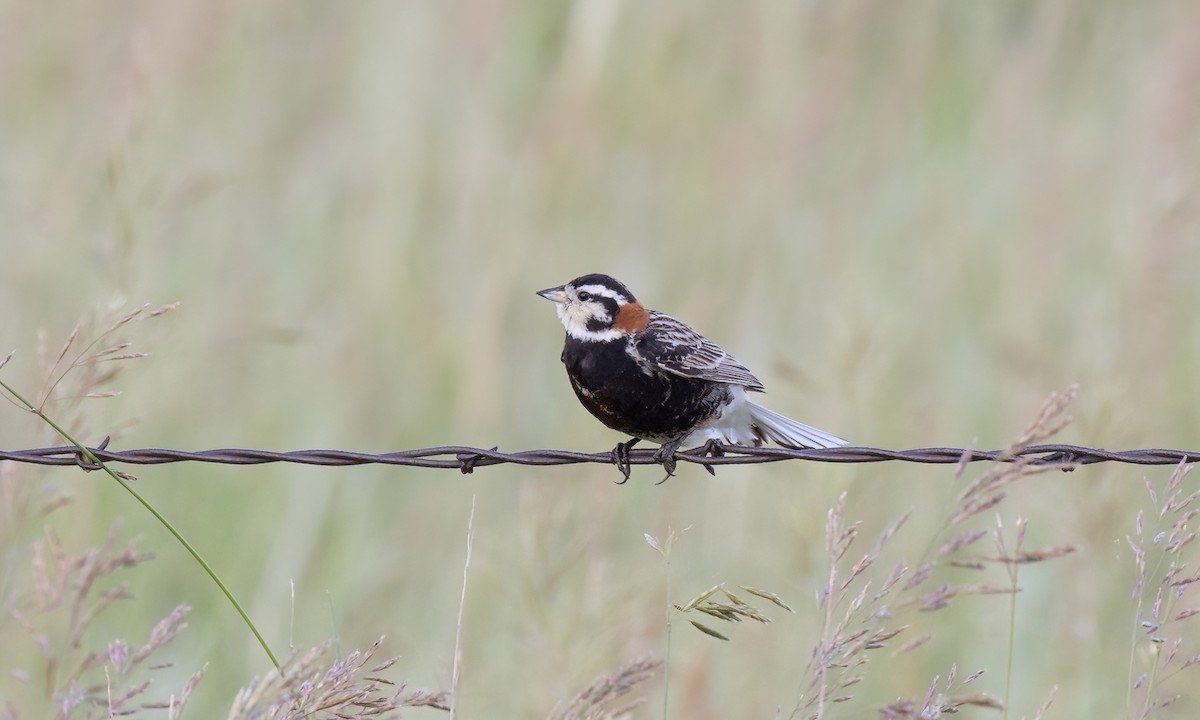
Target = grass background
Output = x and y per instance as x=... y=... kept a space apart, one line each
x=912 y=221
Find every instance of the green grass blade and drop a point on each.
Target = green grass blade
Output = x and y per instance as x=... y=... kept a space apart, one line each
x=91 y=458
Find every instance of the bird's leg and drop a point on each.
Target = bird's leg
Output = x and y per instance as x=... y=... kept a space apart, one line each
x=620 y=457
x=712 y=448
x=666 y=456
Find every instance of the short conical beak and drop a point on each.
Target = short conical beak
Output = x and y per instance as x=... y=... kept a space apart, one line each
x=554 y=294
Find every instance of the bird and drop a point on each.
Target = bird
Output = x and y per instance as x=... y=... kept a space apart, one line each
x=647 y=375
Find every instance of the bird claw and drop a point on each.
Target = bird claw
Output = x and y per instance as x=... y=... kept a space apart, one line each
x=712 y=448
x=666 y=456
x=620 y=458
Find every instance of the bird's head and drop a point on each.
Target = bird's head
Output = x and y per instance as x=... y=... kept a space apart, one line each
x=597 y=308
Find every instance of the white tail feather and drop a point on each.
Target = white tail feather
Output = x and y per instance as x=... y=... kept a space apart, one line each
x=787 y=432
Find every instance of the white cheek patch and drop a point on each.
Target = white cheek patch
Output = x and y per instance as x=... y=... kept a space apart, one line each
x=575 y=317
x=581 y=312
x=572 y=314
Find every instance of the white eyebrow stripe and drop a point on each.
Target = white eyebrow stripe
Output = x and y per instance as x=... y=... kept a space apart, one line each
x=600 y=290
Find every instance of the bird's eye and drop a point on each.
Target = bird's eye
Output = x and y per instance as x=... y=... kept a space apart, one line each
x=585 y=296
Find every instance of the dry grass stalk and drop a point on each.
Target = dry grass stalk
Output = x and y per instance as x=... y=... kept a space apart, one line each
x=985 y=492
x=462 y=603
x=860 y=608
x=937 y=704
x=599 y=701
x=65 y=594
x=62 y=603
x=1050 y=420
x=82 y=369
x=1166 y=577
x=1041 y=711
x=306 y=688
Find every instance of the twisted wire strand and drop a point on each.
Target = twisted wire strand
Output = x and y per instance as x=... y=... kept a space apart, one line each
x=466 y=459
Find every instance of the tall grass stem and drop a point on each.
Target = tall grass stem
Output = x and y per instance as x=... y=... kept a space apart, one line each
x=91 y=458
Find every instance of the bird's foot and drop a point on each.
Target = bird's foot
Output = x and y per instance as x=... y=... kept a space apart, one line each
x=666 y=456
x=712 y=448
x=620 y=458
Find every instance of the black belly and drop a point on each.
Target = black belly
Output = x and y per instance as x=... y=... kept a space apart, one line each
x=613 y=387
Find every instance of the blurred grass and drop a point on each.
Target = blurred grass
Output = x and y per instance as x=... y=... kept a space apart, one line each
x=913 y=221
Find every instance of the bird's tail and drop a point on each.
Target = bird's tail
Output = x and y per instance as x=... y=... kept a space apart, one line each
x=787 y=432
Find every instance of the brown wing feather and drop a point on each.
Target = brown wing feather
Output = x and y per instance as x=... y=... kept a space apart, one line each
x=670 y=345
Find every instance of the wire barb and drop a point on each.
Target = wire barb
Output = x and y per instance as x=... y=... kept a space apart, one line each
x=467 y=459
x=81 y=458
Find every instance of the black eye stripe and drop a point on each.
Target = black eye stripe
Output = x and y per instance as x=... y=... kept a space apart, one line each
x=610 y=306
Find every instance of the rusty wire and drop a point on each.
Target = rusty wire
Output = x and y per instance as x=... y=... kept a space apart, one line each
x=466 y=459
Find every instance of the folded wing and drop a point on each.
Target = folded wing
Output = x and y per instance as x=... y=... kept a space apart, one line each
x=672 y=346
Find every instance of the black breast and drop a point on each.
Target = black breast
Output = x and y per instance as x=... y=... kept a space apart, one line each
x=656 y=406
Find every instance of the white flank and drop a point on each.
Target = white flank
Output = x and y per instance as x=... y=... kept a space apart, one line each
x=744 y=422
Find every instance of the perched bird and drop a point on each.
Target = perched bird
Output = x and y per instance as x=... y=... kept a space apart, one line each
x=648 y=375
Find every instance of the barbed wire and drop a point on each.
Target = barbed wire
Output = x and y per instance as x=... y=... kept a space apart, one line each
x=466 y=459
